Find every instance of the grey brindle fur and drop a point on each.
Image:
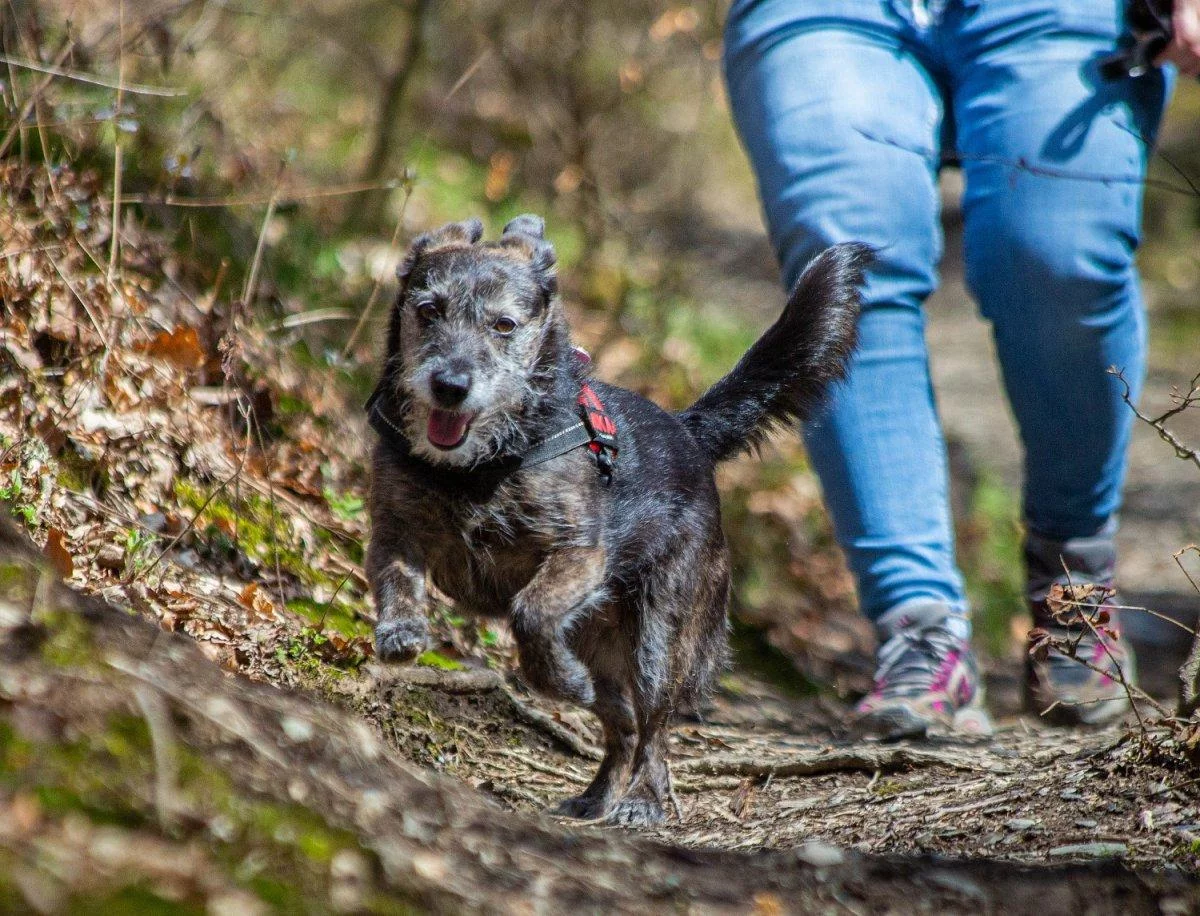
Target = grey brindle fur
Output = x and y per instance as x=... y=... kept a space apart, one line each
x=617 y=594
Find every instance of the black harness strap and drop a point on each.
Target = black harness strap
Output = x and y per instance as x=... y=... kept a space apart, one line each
x=563 y=441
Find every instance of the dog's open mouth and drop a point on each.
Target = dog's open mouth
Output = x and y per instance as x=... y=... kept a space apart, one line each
x=448 y=428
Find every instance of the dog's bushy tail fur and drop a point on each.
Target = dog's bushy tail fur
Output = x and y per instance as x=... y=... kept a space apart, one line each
x=783 y=377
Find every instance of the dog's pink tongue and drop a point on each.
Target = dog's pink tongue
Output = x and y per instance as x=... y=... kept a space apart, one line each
x=447 y=428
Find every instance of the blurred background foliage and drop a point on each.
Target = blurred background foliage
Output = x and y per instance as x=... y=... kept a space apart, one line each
x=336 y=131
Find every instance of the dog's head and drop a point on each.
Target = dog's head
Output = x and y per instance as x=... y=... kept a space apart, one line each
x=474 y=338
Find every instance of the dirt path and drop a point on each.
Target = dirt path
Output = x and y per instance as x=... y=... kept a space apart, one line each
x=206 y=790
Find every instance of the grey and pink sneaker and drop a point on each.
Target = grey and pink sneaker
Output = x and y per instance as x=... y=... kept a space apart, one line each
x=1076 y=620
x=1074 y=670
x=927 y=680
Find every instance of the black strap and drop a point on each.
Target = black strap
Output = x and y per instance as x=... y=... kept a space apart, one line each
x=563 y=441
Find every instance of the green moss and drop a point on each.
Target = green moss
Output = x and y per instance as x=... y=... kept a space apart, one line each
x=432 y=659
x=280 y=852
x=247 y=523
x=136 y=898
x=69 y=639
x=340 y=616
x=18 y=581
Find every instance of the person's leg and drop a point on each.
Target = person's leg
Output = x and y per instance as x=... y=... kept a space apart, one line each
x=1054 y=161
x=812 y=88
x=831 y=99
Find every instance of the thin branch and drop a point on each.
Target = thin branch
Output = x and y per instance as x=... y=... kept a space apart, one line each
x=1182 y=451
x=251 y=289
x=393 y=93
x=114 y=249
x=54 y=70
x=862 y=759
x=30 y=102
x=280 y=197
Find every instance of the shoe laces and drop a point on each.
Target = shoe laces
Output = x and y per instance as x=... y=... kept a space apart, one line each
x=911 y=659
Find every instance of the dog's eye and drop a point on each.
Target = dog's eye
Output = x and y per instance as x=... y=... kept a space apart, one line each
x=504 y=326
x=427 y=311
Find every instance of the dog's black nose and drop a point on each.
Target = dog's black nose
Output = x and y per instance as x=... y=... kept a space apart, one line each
x=449 y=387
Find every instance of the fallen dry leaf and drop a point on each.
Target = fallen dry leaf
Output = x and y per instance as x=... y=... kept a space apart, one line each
x=255 y=599
x=180 y=347
x=58 y=555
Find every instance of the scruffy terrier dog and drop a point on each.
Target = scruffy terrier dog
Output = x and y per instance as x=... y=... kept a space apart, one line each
x=580 y=512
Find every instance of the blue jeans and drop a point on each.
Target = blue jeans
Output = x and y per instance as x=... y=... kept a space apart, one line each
x=845 y=108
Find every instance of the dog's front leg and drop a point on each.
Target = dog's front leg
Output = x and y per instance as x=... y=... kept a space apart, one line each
x=396 y=571
x=569 y=582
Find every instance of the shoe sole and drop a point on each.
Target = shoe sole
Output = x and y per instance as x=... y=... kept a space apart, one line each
x=892 y=723
x=1069 y=714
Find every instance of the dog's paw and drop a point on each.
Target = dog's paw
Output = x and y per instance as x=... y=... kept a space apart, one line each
x=584 y=807
x=401 y=640
x=555 y=671
x=636 y=811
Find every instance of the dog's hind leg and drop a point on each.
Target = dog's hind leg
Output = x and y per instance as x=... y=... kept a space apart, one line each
x=569 y=583
x=653 y=698
x=615 y=711
x=650 y=782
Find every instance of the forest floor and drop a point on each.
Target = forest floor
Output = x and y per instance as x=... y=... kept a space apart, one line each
x=225 y=741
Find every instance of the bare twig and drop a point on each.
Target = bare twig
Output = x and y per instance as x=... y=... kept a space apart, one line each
x=217 y=490
x=1132 y=692
x=1183 y=402
x=1189 y=671
x=30 y=102
x=115 y=243
x=482 y=680
x=392 y=96
x=281 y=197
x=55 y=70
x=251 y=288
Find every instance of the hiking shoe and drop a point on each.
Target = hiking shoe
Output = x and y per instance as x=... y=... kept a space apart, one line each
x=927 y=678
x=1077 y=658
x=1076 y=654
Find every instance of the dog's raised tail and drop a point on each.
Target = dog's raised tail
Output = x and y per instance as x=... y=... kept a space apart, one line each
x=784 y=376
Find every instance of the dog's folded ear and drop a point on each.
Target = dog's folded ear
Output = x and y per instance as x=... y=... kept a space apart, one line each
x=527 y=234
x=467 y=232
x=526 y=224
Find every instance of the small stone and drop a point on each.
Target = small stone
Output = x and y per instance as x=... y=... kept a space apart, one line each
x=154 y=521
x=1020 y=823
x=1091 y=850
x=1087 y=823
x=111 y=557
x=299 y=730
x=820 y=855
